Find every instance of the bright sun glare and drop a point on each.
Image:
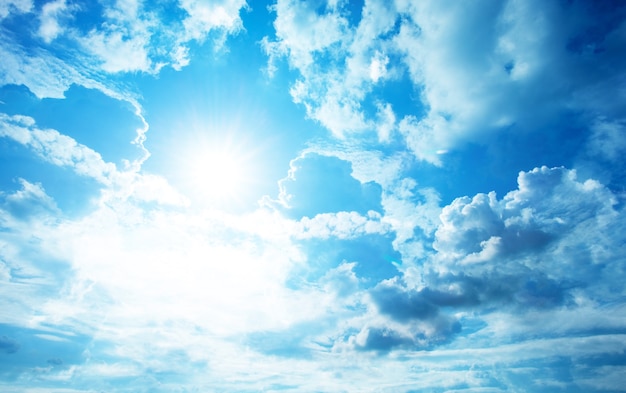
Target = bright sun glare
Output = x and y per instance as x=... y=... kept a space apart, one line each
x=217 y=172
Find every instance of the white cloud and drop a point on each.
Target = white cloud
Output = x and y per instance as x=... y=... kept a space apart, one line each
x=7 y=7
x=378 y=67
x=62 y=150
x=302 y=33
x=521 y=68
x=56 y=148
x=117 y=53
x=50 y=28
x=536 y=227
x=206 y=16
x=606 y=140
x=31 y=200
x=337 y=63
x=343 y=225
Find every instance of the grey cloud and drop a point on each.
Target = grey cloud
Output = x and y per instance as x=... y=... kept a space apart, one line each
x=420 y=336
x=402 y=305
x=411 y=319
x=8 y=345
x=383 y=339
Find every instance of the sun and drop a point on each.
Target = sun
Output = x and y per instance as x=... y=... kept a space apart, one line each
x=217 y=172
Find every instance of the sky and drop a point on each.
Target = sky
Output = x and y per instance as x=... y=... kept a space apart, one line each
x=312 y=196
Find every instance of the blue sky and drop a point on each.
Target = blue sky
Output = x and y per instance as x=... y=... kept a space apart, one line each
x=312 y=196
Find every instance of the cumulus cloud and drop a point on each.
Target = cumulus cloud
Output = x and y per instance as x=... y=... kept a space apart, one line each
x=342 y=225
x=541 y=247
x=401 y=318
x=320 y=184
x=51 y=12
x=549 y=205
x=534 y=248
x=204 y=17
x=524 y=66
x=117 y=53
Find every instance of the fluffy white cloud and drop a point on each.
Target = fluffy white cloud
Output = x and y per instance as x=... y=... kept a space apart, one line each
x=524 y=66
x=50 y=28
x=205 y=16
x=535 y=244
x=343 y=225
x=119 y=54
x=337 y=63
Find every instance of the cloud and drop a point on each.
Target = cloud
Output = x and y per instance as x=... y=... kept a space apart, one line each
x=15 y=6
x=132 y=37
x=51 y=12
x=30 y=201
x=534 y=63
x=343 y=225
x=117 y=53
x=144 y=37
x=532 y=248
x=539 y=252
x=319 y=184
x=204 y=17
x=8 y=345
x=337 y=67
x=404 y=319
x=63 y=151
x=549 y=204
x=56 y=148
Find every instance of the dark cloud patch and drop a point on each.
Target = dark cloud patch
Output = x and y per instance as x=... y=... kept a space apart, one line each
x=320 y=184
x=421 y=336
x=402 y=305
x=8 y=345
x=411 y=319
x=383 y=339
x=55 y=362
x=604 y=17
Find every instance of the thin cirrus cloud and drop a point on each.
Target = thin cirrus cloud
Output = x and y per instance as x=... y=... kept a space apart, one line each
x=449 y=218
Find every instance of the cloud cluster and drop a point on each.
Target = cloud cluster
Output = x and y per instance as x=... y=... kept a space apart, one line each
x=548 y=248
x=479 y=68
